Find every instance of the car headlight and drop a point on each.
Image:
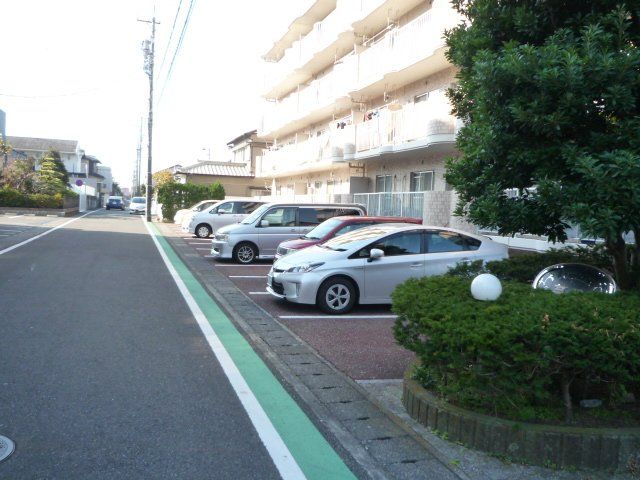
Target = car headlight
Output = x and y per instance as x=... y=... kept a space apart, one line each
x=222 y=237
x=305 y=267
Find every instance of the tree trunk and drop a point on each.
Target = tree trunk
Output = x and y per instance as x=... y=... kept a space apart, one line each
x=566 y=398
x=617 y=248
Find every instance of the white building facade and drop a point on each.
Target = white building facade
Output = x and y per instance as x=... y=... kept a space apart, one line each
x=355 y=107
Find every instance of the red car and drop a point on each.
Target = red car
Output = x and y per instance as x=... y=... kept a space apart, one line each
x=336 y=226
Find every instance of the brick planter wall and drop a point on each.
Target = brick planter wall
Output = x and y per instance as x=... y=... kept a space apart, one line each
x=545 y=445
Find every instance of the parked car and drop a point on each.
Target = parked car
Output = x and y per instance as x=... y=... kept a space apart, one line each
x=198 y=207
x=364 y=266
x=115 y=202
x=259 y=235
x=334 y=227
x=223 y=213
x=138 y=205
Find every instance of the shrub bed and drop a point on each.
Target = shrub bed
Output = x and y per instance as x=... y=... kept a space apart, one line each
x=10 y=197
x=175 y=196
x=529 y=356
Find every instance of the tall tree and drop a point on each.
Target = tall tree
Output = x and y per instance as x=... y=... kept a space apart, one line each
x=550 y=94
x=21 y=175
x=52 y=177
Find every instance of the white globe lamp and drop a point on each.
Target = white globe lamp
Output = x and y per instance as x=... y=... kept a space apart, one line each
x=486 y=287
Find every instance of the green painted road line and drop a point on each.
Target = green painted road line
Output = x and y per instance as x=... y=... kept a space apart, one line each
x=312 y=452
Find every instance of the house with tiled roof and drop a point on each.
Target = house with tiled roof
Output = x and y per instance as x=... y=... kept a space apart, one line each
x=237 y=176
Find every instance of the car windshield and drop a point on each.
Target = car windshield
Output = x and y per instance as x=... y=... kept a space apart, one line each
x=345 y=241
x=114 y=200
x=138 y=200
x=255 y=215
x=323 y=229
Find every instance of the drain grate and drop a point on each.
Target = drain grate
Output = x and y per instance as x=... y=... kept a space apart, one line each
x=6 y=447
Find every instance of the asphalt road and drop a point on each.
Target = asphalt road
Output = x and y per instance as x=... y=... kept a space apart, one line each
x=345 y=341
x=103 y=370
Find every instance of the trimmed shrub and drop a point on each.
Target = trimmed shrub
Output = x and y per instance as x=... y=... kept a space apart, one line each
x=524 y=268
x=529 y=353
x=10 y=197
x=175 y=196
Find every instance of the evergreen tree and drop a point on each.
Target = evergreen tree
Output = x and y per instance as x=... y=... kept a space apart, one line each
x=52 y=177
x=550 y=94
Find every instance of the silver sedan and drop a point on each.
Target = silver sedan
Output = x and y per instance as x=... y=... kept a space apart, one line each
x=365 y=266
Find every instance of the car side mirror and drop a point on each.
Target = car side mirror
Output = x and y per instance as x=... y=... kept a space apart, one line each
x=264 y=223
x=375 y=254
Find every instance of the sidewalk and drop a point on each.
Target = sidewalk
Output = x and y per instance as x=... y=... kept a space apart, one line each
x=365 y=417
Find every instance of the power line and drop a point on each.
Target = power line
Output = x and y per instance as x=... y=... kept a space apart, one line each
x=173 y=27
x=177 y=50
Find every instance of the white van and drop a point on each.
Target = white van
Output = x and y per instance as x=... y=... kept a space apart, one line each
x=225 y=212
x=259 y=235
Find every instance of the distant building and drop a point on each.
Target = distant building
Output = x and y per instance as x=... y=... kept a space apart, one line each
x=25 y=147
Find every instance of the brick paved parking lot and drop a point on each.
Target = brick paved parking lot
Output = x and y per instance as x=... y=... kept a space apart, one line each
x=345 y=341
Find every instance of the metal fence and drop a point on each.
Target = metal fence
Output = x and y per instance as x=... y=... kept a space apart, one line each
x=396 y=204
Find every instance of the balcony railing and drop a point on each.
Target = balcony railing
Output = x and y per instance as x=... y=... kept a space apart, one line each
x=396 y=204
x=413 y=122
x=323 y=34
x=294 y=157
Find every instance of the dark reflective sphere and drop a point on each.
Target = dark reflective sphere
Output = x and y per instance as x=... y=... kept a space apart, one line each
x=568 y=277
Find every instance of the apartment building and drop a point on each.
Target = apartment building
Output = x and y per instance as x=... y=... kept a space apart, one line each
x=355 y=107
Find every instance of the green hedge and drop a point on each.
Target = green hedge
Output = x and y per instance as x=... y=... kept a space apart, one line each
x=175 y=196
x=523 y=355
x=525 y=267
x=10 y=197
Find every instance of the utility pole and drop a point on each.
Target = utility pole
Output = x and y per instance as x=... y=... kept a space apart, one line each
x=148 y=47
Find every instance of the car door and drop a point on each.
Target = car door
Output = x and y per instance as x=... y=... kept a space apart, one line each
x=445 y=249
x=282 y=226
x=403 y=258
x=221 y=215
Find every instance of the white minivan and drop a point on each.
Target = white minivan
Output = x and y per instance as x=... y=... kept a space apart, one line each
x=225 y=212
x=259 y=235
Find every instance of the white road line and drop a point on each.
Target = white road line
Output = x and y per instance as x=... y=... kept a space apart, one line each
x=259 y=293
x=247 y=276
x=4 y=234
x=29 y=240
x=291 y=317
x=271 y=439
x=9 y=230
x=16 y=216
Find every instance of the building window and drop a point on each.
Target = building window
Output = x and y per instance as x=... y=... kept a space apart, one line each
x=423 y=97
x=421 y=181
x=384 y=183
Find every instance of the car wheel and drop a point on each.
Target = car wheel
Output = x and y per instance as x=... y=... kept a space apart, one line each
x=337 y=295
x=245 y=253
x=203 y=230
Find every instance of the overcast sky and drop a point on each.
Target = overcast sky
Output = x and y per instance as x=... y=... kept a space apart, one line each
x=72 y=69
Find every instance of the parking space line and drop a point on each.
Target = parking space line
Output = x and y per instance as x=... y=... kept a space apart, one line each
x=297 y=317
x=205 y=249
x=247 y=276
x=199 y=243
x=236 y=265
x=16 y=216
x=259 y=293
x=9 y=230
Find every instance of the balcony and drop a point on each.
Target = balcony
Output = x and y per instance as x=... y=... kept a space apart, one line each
x=329 y=39
x=396 y=59
x=309 y=155
x=426 y=125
